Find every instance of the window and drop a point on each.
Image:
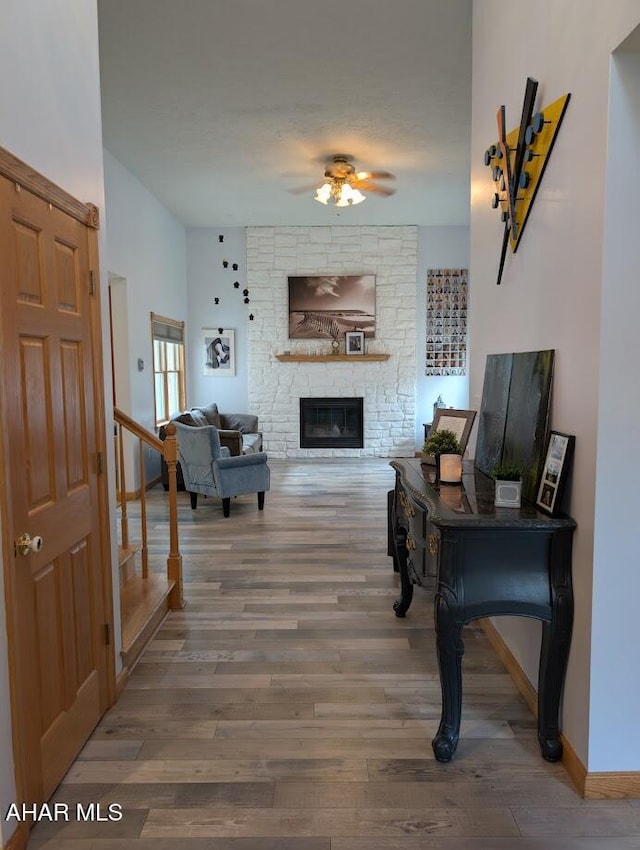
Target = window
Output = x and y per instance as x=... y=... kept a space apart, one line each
x=168 y=366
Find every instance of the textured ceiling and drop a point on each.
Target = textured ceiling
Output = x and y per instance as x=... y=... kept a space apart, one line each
x=222 y=107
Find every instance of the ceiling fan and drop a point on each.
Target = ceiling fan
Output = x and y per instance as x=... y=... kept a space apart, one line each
x=344 y=186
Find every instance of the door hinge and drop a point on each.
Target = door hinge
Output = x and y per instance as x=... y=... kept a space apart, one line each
x=92 y=283
x=99 y=463
x=107 y=634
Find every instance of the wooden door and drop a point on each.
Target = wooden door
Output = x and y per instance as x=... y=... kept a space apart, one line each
x=57 y=598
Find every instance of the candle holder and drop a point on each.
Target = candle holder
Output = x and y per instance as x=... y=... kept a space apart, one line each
x=450 y=469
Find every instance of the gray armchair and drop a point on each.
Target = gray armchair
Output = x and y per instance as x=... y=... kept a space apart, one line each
x=208 y=467
x=238 y=431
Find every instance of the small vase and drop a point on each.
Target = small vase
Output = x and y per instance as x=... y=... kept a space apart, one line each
x=508 y=494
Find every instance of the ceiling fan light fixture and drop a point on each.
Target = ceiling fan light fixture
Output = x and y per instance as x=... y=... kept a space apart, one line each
x=357 y=197
x=349 y=196
x=323 y=193
x=342 y=197
x=342 y=183
x=341 y=192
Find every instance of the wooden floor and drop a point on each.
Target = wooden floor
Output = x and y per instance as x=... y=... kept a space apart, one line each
x=287 y=708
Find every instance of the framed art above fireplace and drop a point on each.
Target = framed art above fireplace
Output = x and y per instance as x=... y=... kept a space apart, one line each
x=329 y=306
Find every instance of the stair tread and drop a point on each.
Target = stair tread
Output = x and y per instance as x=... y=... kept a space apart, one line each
x=140 y=601
x=125 y=553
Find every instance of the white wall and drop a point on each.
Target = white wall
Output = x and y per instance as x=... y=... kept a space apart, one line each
x=208 y=279
x=550 y=297
x=146 y=249
x=147 y=246
x=616 y=585
x=121 y=360
x=388 y=388
x=50 y=118
x=438 y=247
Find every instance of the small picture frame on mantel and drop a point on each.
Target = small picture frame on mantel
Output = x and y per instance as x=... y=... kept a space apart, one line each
x=354 y=342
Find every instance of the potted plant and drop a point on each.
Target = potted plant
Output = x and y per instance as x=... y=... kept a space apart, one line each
x=445 y=443
x=508 y=478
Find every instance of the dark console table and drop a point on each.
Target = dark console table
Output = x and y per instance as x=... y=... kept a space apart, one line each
x=482 y=561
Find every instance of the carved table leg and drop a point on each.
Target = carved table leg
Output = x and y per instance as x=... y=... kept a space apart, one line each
x=391 y=548
x=401 y=606
x=450 y=650
x=554 y=654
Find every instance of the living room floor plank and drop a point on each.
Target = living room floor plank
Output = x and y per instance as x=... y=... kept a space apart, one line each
x=287 y=708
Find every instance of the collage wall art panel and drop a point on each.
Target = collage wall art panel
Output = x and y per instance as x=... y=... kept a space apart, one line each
x=447 y=296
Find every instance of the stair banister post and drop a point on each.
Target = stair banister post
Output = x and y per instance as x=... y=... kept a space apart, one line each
x=143 y=510
x=174 y=560
x=124 y=519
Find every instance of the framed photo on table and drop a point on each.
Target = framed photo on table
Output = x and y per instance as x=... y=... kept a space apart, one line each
x=555 y=471
x=354 y=342
x=450 y=419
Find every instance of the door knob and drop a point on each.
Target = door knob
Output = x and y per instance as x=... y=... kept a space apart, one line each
x=26 y=544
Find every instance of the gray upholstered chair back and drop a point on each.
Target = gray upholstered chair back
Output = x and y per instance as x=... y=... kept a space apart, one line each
x=208 y=469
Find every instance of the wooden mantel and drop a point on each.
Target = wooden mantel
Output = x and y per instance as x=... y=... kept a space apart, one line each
x=331 y=358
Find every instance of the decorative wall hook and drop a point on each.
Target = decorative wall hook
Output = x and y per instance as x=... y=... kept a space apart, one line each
x=245 y=291
x=236 y=285
x=220 y=330
x=251 y=317
x=220 y=237
x=225 y=264
x=235 y=267
x=246 y=300
x=216 y=300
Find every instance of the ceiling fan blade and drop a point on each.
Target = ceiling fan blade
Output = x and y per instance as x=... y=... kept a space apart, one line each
x=382 y=190
x=375 y=175
x=367 y=186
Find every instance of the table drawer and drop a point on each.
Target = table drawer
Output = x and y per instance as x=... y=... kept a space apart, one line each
x=422 y=542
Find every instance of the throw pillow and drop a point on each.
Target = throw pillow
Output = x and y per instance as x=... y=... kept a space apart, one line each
x=199 y=419
x=211 y=414
x=184 y=418
x=239 y=422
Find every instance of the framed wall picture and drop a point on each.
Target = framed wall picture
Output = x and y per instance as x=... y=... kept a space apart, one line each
x=354 y=342
x=446 y=330
x=555 y=471
x=450 y=419
x=327 y=306
x=218 y=352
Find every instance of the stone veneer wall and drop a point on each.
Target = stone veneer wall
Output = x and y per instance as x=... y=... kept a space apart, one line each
x=388 y=388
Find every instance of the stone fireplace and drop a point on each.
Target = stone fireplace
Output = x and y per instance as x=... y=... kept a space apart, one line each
x=334 y=423
x=387 y=387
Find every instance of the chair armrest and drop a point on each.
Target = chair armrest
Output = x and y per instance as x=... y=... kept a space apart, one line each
x=232 y=440
x=244 y=460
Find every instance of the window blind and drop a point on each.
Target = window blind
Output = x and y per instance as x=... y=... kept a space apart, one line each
x=167 y=330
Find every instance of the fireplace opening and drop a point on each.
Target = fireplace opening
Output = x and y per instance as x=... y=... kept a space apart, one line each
x=334 y=423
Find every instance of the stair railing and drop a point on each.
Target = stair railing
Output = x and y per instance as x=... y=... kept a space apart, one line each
x=169 y=451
